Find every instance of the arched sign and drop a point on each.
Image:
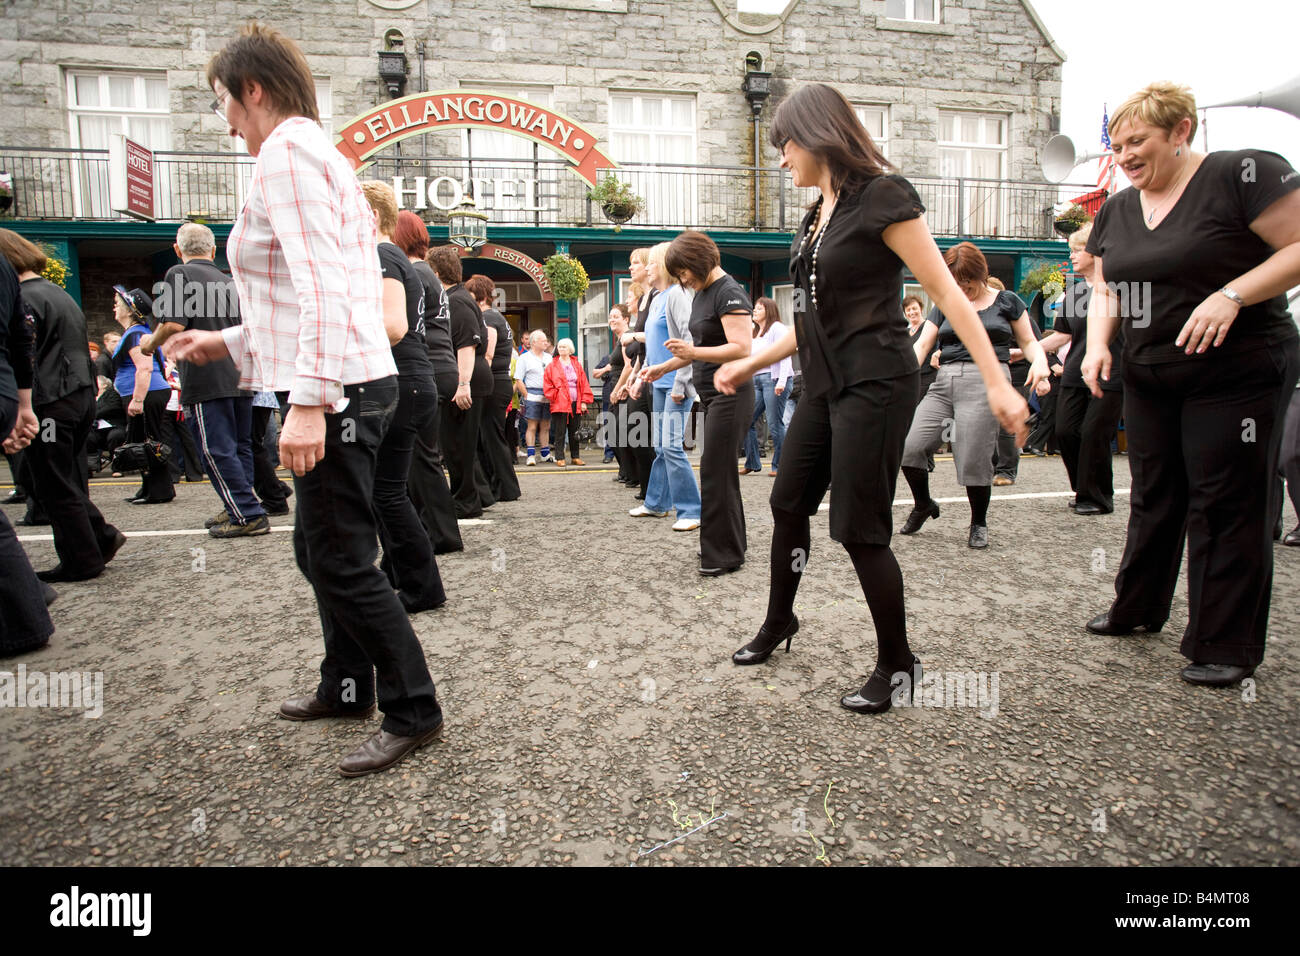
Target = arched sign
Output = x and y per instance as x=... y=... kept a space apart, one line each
x=399 y=119
x=514 y=257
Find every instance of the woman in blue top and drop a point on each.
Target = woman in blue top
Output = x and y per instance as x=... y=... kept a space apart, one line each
x=672 y=482
x=140 y=382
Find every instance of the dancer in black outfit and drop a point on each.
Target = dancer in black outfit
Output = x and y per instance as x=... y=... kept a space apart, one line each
x=860 y=374
x=721 y=331
x=618 y=324
x=494 y=446
x=1210 y=359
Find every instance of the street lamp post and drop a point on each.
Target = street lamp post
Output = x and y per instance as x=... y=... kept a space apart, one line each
x=757 y=88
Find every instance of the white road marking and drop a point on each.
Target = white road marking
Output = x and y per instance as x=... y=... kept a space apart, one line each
x=182 y=532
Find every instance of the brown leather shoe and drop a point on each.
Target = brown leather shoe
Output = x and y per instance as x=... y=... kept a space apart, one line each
x=1002 y=481
x=382 y=750
x=310 y=708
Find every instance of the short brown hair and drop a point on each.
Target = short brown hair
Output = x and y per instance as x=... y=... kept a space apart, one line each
x=266 y=57
x=694 y=251
x=23 y=254
x=1162 y=105
x=446 y=262
x=967 y=264
x=909 y=299
x=622 y=311
x=383 y=201
x=411 y=234
x=480 y=287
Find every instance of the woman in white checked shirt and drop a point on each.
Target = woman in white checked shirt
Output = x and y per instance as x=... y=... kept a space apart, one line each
x=304 y=255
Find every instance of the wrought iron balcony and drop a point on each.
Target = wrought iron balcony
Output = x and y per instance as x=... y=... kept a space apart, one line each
x=54 y=184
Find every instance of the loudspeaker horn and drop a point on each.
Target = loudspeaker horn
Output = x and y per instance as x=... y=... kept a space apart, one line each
x=1059 y=159
x=1284 y=98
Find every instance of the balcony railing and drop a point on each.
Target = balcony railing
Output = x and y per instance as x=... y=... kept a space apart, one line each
x=73 y=184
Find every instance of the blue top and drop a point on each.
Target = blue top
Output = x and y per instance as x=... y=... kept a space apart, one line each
x=656 y=334
x=124 y=380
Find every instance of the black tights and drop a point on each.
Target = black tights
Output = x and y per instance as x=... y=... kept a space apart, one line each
x=878 y=573
x=918 y=479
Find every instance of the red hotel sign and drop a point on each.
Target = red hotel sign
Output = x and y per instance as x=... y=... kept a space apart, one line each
x=517 y=259
x=396 y=120
x=139 y=180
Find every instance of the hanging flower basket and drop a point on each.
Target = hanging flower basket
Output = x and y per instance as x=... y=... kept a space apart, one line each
x=1071 y=220
x=616 y=199
x=567 y=277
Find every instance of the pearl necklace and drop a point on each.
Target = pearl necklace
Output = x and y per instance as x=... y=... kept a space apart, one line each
x=812 y=278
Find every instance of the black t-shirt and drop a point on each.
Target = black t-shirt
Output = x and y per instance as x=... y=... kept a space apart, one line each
x=17 y=336
x=1072 y=320
x=857 y=331
x=437 y=321
x=505 y=342
x=928 y=371
x=616 y=365
x=636 y=350
x=1005 y=308
x=410 y=354
x=1203 y=244
x=197 y=295
x=467 y=329
x=63 y=365
x=707 y=309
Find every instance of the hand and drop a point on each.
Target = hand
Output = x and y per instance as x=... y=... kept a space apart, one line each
x=1208 y=324
x=934 y=359
x=619 y=394
x=730 y=376
x=627 y=338
x=652 y=372
x=1095 y=367
x=1038 y=375
x=1011 y=411
x=135 y=406
x=462 y=398
x=778 y=390
x=582 y=409
x=1017 y=355
x=634 y=391
x=1058 y=369
x=1043 y=387
x=679 y=398
x=198 y=348
x=25 y=428
x=681 y=349
x=302 y=439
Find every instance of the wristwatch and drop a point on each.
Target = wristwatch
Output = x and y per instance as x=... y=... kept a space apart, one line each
x=1233 y=296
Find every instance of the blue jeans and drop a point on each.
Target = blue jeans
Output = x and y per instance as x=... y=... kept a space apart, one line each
x=765 y=397
x=672 y=482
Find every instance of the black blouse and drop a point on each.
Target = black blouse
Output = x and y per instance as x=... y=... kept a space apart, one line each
x=1161 y=275
x=1005 y=308
x=857 y=331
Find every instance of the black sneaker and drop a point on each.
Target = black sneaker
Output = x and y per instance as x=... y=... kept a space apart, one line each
x=228 y=529
x=275 y=509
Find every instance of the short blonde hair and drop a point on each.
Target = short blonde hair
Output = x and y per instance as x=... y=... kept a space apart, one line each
x=1162 y=105
x=656 y=256
x=383 y=201
x=640 y=255
x=1079 y=238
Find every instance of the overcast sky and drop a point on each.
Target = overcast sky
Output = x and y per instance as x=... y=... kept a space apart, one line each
x=1222 y=49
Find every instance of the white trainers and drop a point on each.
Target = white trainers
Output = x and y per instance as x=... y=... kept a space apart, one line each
x=686 y=524
x=532 y=460
x=641 y=511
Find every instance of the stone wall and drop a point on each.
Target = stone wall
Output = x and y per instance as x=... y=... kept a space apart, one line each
x=986 y=55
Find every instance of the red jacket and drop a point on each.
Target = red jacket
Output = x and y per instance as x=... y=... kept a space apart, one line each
x=555 y=386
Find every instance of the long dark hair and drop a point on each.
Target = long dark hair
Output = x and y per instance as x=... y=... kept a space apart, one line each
x=771 y=315
x=819 y=118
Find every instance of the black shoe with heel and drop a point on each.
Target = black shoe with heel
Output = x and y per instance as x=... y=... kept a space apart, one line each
x=917 y=518
x=877 y=694
x=764 y=643
x=1103 y=624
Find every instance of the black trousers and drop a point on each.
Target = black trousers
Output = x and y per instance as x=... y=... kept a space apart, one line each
x=266 y=483
x=1043 y=434
x=1006 y=459
x=57 y=460
x=24 y=622
x=408 y=552
x=567 y=423
x=722 y=513
x=1204 y=439
x=1288 y=466
x=460 y=446
x=616 y=425
x=496 y=451
x=427 y=482
x=369 y=643
x=187 y=457
x=1084 y=429
x=155 y=423
x=640 y=438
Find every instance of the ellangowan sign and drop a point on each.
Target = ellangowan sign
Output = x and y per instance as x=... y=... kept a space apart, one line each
x=399 y=119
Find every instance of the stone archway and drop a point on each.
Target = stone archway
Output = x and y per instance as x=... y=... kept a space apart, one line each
x=513 y=257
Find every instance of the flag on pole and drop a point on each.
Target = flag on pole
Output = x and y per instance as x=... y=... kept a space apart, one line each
x=1106 y=171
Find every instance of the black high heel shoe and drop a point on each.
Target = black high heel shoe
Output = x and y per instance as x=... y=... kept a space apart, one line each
x=877 y=694
x=917 y=517
x=764 y=643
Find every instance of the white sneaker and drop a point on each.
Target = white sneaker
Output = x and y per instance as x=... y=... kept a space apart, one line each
x=641 y=511
x=547 y=456
x=686 y=524
x=532 y=460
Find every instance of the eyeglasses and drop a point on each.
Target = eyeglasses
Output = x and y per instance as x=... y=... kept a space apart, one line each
x=218 y=105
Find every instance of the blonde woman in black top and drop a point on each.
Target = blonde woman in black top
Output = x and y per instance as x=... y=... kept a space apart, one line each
x=860 y=374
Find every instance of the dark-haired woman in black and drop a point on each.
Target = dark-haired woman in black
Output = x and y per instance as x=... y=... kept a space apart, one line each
x=860 y=373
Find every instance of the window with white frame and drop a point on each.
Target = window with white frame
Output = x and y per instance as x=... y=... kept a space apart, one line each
x=926 y=11
x=876 y=120
x=103 y=103
x=593 y=325
x=505 y=163
x=325 y=103
x=783 y=296
x=973 y=146
x=656 y=129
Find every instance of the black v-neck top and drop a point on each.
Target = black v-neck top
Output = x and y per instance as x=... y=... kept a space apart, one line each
x=857 y=331
x=1204 y=242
